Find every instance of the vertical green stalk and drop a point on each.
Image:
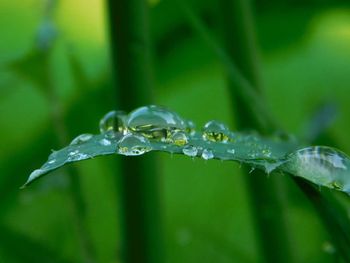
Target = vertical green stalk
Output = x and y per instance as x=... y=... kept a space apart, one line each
x=267 y=208
x=139 y=194
x=333 y=215
x=43 y=49
x=262 y=118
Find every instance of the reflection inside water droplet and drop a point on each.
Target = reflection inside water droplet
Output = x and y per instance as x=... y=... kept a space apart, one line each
x=215 y=131
x=113 y=121
x=321 y=165
x=190 y=127
x=179 y=138
x=133 y=144
x=155 y=122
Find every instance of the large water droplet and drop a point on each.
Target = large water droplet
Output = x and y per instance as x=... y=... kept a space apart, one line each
x=215 y=131
x=179 y=138
x=133 y=144
x=155 y=122
x=76 y=156
x=190 y=150
x=113 y=121
x=81 y=139
x=321 y=165
x=207 y=154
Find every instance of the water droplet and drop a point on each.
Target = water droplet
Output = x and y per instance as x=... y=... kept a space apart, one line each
x=231 y=151
x=155 y=122
x=133 y=144
x=179 y=138
x=207 y=154
x=81 y=139
x=321 y=165
x=215 y=131
x=266 y=152
x=51 y=161
x=113 y=121
x=190 y=127
x=105 y=142
x=190 y=150
x=73 y=153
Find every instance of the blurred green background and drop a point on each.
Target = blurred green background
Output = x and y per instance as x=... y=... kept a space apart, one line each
x=55 y=63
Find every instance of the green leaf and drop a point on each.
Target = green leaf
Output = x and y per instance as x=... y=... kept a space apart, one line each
x=249 y=149
x=153 y=128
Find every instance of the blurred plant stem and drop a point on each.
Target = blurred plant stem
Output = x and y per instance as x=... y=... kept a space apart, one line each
x=259 y=115
x=333 y=215
x=78 y=203
x=247 y=93
x=240 y=61
x=138 y=185
x=266 y=202
x=45 y=45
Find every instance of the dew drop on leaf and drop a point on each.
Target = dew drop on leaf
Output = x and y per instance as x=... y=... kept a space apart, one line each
x=231 y=151
x=81 y=139
x=133 y=144
x=215 y=131
x=155 y=122
x=266 y=152
x=105 y=142
x=179 y=138
x=190 y=127
x=76 y=156
x=321 y=165
x=207 y=154
x=113 y=121
x=51 y=161
x=190 y=150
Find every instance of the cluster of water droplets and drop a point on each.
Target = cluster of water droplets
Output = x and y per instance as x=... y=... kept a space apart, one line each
x=151 y=124
x=156 y=128
x=144 y=126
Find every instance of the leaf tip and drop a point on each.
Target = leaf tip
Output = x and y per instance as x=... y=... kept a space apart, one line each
x=23 y=186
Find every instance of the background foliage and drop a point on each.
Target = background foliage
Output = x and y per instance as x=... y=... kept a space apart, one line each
x=205 y=207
